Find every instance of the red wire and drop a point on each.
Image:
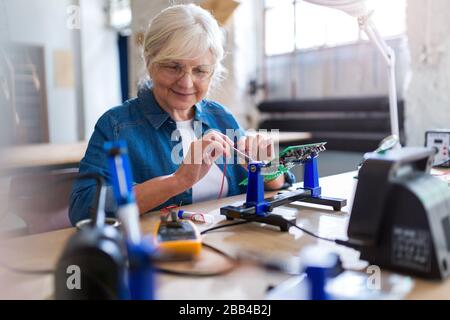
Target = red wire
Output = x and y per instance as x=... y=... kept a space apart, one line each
x=223 y=178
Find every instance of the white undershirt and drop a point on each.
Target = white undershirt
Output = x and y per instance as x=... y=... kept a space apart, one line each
x=207 y=188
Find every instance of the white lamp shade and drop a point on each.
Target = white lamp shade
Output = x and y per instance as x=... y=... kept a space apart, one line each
x=355 y=8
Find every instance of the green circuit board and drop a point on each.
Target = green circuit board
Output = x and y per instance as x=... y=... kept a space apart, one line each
x=301 y=153
x=289 y=158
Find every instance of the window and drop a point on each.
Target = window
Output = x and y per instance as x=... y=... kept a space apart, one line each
x=279 y=27
x=119 y=15
x=296 y=25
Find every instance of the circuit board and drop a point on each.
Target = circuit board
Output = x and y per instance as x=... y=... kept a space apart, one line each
x=299 y=154
x=289 y=158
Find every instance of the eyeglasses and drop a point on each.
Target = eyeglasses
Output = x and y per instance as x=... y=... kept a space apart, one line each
x=176 y=71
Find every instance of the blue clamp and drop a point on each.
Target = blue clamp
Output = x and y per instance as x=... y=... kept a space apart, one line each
x=319 y=267
x=255 y=189
x=311 y=177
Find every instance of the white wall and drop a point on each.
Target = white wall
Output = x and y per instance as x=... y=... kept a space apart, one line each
x=142 y=11
x=428 y=93
x=100 y=64
x=43 y=22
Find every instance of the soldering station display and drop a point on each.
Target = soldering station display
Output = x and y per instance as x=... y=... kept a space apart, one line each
x=440 y=141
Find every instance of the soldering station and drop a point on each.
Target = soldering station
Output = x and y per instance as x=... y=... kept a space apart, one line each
x=400 y=218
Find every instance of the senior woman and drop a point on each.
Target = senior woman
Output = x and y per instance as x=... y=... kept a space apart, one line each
x=183 y=54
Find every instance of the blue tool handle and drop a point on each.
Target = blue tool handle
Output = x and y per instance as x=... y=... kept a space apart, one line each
x=317 y=278
x=121 y=176
x=141 y=279
x=120 y=170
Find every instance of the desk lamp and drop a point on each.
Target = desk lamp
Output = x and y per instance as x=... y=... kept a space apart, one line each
x=358 y=9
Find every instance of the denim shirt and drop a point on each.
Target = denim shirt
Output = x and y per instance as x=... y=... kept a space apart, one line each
x=149 y=133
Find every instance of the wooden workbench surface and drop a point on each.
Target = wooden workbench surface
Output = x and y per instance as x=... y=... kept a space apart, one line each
x=42 y=156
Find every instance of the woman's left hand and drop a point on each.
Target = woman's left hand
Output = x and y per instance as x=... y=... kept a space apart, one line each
x=260 y=148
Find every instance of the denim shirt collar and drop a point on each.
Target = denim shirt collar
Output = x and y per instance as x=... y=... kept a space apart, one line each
x=156 y=115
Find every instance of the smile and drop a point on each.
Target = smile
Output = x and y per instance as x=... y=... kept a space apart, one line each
x=182 y=94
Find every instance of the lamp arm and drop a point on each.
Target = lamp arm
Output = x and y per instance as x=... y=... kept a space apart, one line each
x=366 y=25
x=388 y=54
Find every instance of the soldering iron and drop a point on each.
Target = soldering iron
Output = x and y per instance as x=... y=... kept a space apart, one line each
x=139 y=249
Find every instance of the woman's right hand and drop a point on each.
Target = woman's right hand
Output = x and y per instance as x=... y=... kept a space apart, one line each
x=201 y=156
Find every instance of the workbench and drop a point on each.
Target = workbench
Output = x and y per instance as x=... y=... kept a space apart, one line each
x=244 y=282
x=43 y=156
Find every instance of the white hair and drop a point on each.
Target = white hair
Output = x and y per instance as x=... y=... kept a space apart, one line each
x=184 y=32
